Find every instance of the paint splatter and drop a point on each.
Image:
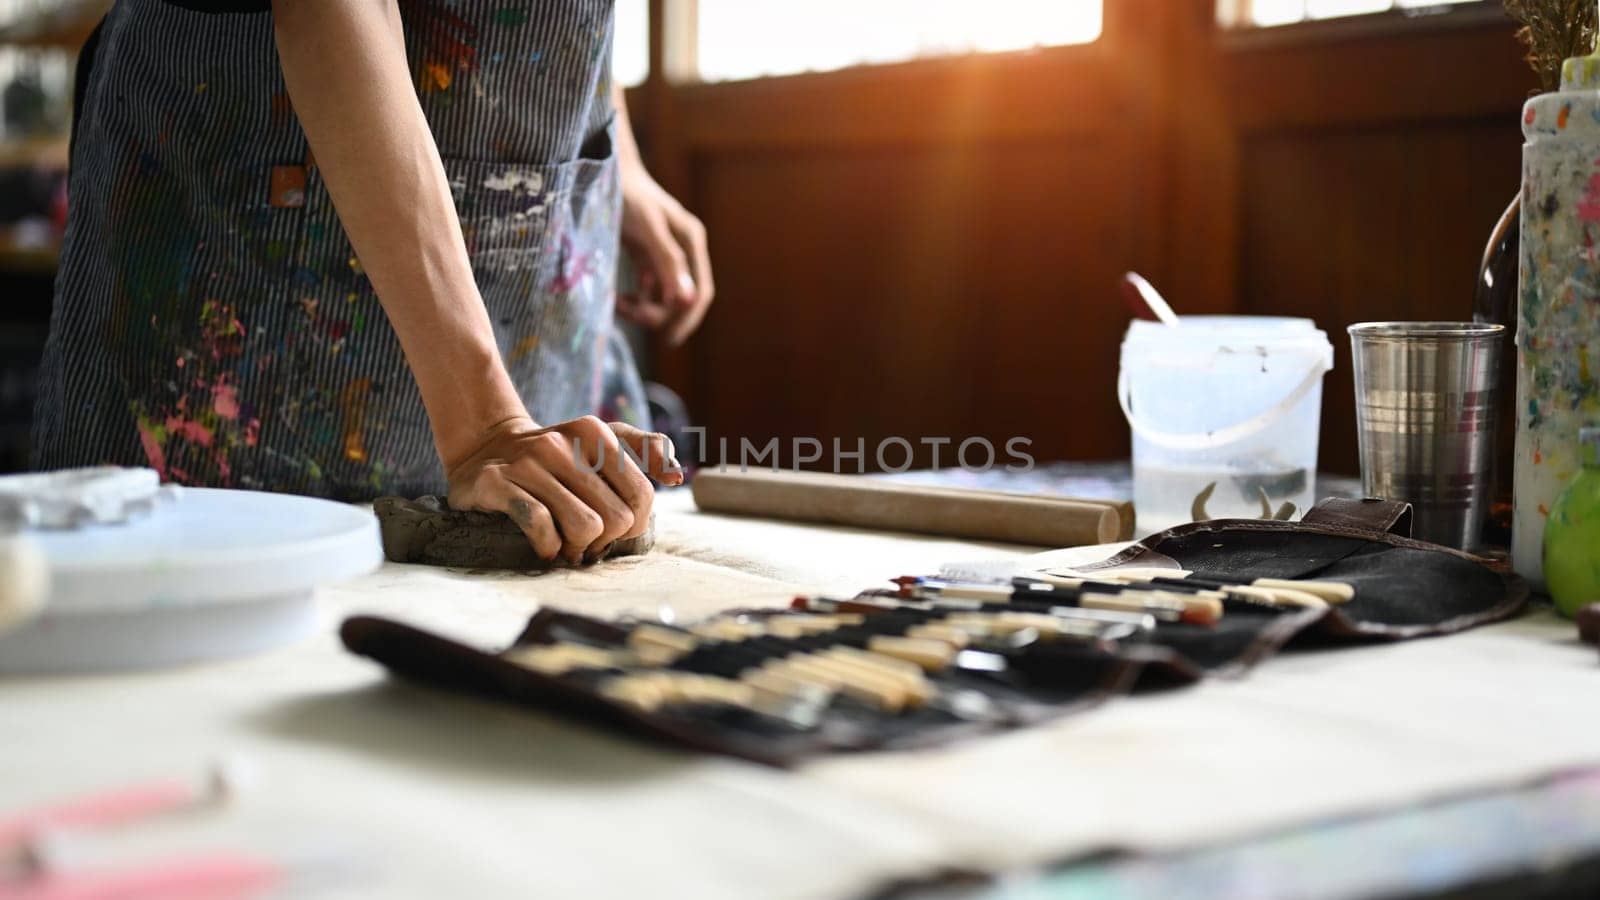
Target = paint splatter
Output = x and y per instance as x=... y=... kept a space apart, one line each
x=526 y=181
x=225 y=401
x=1589 y=201
x=152 y=441
x=195 y=432
x=576 y=269
x=353 y=408
x=524 y=347
x=435 y=77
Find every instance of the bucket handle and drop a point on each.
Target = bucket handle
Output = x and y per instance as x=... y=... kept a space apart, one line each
x=1221 y=437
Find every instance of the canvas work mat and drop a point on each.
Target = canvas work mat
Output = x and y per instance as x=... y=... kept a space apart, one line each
x=417 y=791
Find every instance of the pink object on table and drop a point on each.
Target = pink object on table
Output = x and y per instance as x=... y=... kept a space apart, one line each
x=215 y=877
x=104 y=809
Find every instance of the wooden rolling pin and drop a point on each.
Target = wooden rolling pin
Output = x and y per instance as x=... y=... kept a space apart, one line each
x=863 y=502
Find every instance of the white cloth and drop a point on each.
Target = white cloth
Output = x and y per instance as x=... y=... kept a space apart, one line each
x=379 y=788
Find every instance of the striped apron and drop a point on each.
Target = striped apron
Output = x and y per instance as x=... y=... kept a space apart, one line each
x=211 y=319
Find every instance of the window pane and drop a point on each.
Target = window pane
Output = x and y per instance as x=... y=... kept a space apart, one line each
x=1285 y=12
x=750 y=38
x=1277 y=12
x=630 y=58
x=1327 y=9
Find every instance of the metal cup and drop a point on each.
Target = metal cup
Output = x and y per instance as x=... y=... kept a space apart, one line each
x=1425 y=407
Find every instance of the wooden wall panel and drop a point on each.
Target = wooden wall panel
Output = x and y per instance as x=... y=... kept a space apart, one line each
x=1346 y=226
x=918 y=291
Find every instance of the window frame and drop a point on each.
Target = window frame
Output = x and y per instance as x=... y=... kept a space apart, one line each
x=675 y=56
x=1235 y=34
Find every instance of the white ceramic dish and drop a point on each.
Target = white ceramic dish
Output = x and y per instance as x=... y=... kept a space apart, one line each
x=213 y=574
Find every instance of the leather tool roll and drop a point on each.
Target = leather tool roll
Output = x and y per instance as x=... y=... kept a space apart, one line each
x=862 y=502
x=700 y=685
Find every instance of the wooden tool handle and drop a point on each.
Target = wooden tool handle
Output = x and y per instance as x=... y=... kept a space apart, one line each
x=890 y=506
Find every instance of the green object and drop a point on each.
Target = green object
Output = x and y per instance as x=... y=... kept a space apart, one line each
x=1572 y=535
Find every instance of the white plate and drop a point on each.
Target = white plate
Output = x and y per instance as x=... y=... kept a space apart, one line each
x=215 y=573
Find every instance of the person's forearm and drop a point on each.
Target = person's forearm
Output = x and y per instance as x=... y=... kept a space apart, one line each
x=345 y=67
x=627 y=145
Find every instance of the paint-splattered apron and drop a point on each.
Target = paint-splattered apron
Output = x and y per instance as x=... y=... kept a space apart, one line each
x=210 y=317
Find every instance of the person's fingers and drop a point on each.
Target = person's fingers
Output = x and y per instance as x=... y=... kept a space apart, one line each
x=653 y=294
x=616 y=513
x=691 y=235
x=534 y=520
x=642 y=310
x=686 y=320
x=580 y=525
x=594 y=456
x=668 y=260
x=491 y=489
x=654 y=452
x=478 y=487
x=622 y=474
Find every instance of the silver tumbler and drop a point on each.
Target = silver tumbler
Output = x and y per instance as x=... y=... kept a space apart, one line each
x=1425 y=407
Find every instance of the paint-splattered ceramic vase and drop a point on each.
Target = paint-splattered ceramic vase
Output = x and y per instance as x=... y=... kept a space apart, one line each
x=1558 y=334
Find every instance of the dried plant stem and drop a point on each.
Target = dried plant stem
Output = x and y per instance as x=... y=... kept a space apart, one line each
x=1553 y=31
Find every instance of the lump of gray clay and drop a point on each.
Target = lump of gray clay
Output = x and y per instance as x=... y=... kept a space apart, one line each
x=429 y=532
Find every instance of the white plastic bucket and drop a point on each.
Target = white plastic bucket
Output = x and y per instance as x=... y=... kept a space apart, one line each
x=1230 y=400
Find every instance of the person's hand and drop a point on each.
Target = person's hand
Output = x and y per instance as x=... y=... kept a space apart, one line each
x=669 y=245
x=570 y=487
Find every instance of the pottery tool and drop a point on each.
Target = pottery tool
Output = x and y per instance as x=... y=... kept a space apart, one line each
x=786 y=666
x=891 y=672
x=1007 y=574
x=1280 y=598
x=648 y=689
x=1144 y=301
x=1265 y=589
x=1276 y=599
x=862 y=502
x=996 y=619
x=885 y=683
x=140 y=581
x=1192 y=608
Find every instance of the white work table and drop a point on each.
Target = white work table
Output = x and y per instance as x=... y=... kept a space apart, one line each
x=388 y=789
